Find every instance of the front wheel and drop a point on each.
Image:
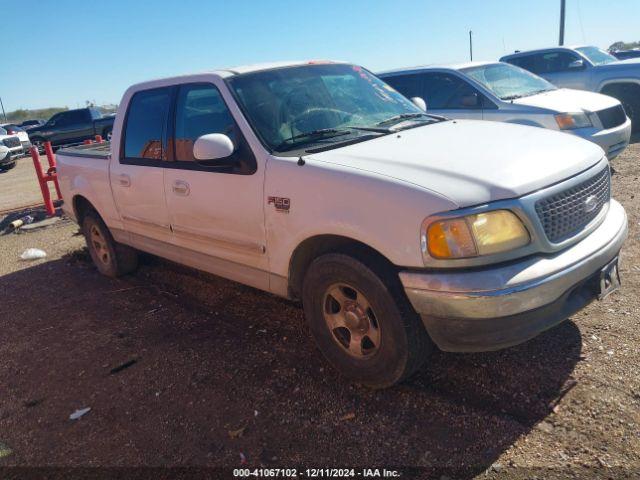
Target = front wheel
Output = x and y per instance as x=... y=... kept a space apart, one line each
x=363 y=325
x=110 y=257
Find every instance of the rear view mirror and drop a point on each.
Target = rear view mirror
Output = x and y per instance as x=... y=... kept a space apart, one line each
x=576 y=64
x=212 y=146
x=471 y=100
x=420 y=103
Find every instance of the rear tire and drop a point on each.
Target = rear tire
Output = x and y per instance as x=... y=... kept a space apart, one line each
x=111 y=258
x=107 y=135
x=362 y=321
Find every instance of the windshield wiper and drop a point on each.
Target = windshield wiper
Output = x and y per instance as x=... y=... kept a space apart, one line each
x=313 y=134
x=398 y=118
x=521 y=95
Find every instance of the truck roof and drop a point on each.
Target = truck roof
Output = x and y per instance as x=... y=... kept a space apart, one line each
x=538 y=50
x=233 y=71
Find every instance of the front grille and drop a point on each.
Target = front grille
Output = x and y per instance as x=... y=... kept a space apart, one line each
x=566 y=213
x=11 y=142
x=612 y=117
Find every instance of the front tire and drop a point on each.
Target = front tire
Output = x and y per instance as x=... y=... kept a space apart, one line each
x=362 y=322
x=111 y=258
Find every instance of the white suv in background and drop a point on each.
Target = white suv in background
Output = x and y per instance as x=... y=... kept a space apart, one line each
x=505 y=93
x=11 y=142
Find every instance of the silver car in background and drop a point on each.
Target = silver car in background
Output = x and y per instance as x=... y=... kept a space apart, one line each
x=505 y=93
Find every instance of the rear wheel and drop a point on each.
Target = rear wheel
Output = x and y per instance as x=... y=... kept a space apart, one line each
x=108 y=134
x=363 y=324
x=110 y=257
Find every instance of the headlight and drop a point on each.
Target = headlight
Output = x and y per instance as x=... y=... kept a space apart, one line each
x=474 y=235
x=571 y=121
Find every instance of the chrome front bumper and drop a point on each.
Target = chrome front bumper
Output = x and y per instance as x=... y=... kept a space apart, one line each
x=535 y=290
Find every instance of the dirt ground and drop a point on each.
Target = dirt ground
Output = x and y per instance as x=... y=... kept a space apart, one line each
x=214 y=374
x=19 y=186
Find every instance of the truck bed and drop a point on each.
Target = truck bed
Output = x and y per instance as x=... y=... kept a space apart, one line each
x=98 y=150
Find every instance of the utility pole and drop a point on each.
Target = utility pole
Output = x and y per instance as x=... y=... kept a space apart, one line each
x=3 y=114
x=470 y=45
x=562 y=9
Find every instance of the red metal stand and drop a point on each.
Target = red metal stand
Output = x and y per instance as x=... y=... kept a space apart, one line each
x=49 y=176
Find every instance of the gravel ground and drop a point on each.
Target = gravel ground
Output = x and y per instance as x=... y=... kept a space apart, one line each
x=209 y=372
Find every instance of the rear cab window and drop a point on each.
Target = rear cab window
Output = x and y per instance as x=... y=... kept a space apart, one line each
x=145 y=127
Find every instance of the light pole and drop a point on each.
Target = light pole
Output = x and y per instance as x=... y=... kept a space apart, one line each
x=3 y=114
x=562 y=9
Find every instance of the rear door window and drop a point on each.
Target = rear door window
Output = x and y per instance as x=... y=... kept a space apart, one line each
x=528 y=62
x=145 y=125
x=408 y=85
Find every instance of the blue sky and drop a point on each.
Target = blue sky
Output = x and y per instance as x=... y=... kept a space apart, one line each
x=69 y=51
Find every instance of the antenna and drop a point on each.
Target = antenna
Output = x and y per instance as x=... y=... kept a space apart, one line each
x=471 y=45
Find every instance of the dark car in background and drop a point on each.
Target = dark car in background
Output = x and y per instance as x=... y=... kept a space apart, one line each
x=73 y=126
x=626 y=54
x=29 y=124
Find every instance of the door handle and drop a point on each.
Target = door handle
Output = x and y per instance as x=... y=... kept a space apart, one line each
x=124 y=180
x=181 y=187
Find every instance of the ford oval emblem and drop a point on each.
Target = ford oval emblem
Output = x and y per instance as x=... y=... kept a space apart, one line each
x=590 y=203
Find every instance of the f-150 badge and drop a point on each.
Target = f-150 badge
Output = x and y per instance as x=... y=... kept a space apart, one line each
x=282 y=204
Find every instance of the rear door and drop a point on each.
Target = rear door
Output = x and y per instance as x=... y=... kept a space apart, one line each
x=215 y=207
x=137 y=177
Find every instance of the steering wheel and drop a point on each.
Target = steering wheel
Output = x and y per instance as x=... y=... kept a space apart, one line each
x=294 y=113
x=316 y=118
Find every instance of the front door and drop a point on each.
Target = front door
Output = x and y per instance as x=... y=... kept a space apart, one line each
x=561 y=69
x=137 y=177
x=216 y=206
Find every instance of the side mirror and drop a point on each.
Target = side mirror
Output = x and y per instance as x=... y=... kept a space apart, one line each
x=576 y=64
x=420 y=103
x=212 y=146
x=470 y=100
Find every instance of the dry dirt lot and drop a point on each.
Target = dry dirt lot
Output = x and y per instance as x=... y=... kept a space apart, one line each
x=19 y=186
x=219 y=374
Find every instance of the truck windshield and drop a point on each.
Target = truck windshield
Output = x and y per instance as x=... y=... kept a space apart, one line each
x=596 y=56
x=320 y=104
x=507 y=81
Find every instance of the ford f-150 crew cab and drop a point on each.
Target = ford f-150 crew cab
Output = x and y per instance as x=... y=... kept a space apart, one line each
x=317 y=181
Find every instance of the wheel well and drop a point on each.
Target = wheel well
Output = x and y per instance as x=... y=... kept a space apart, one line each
x=618 y=89
x=81 y=206
x=313 y=247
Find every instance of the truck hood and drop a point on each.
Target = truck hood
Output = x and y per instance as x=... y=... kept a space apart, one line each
x=568 y=100
x=629 y=65
x=471 y=162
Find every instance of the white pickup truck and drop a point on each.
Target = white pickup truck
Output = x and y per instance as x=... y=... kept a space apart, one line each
x=317 y=181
